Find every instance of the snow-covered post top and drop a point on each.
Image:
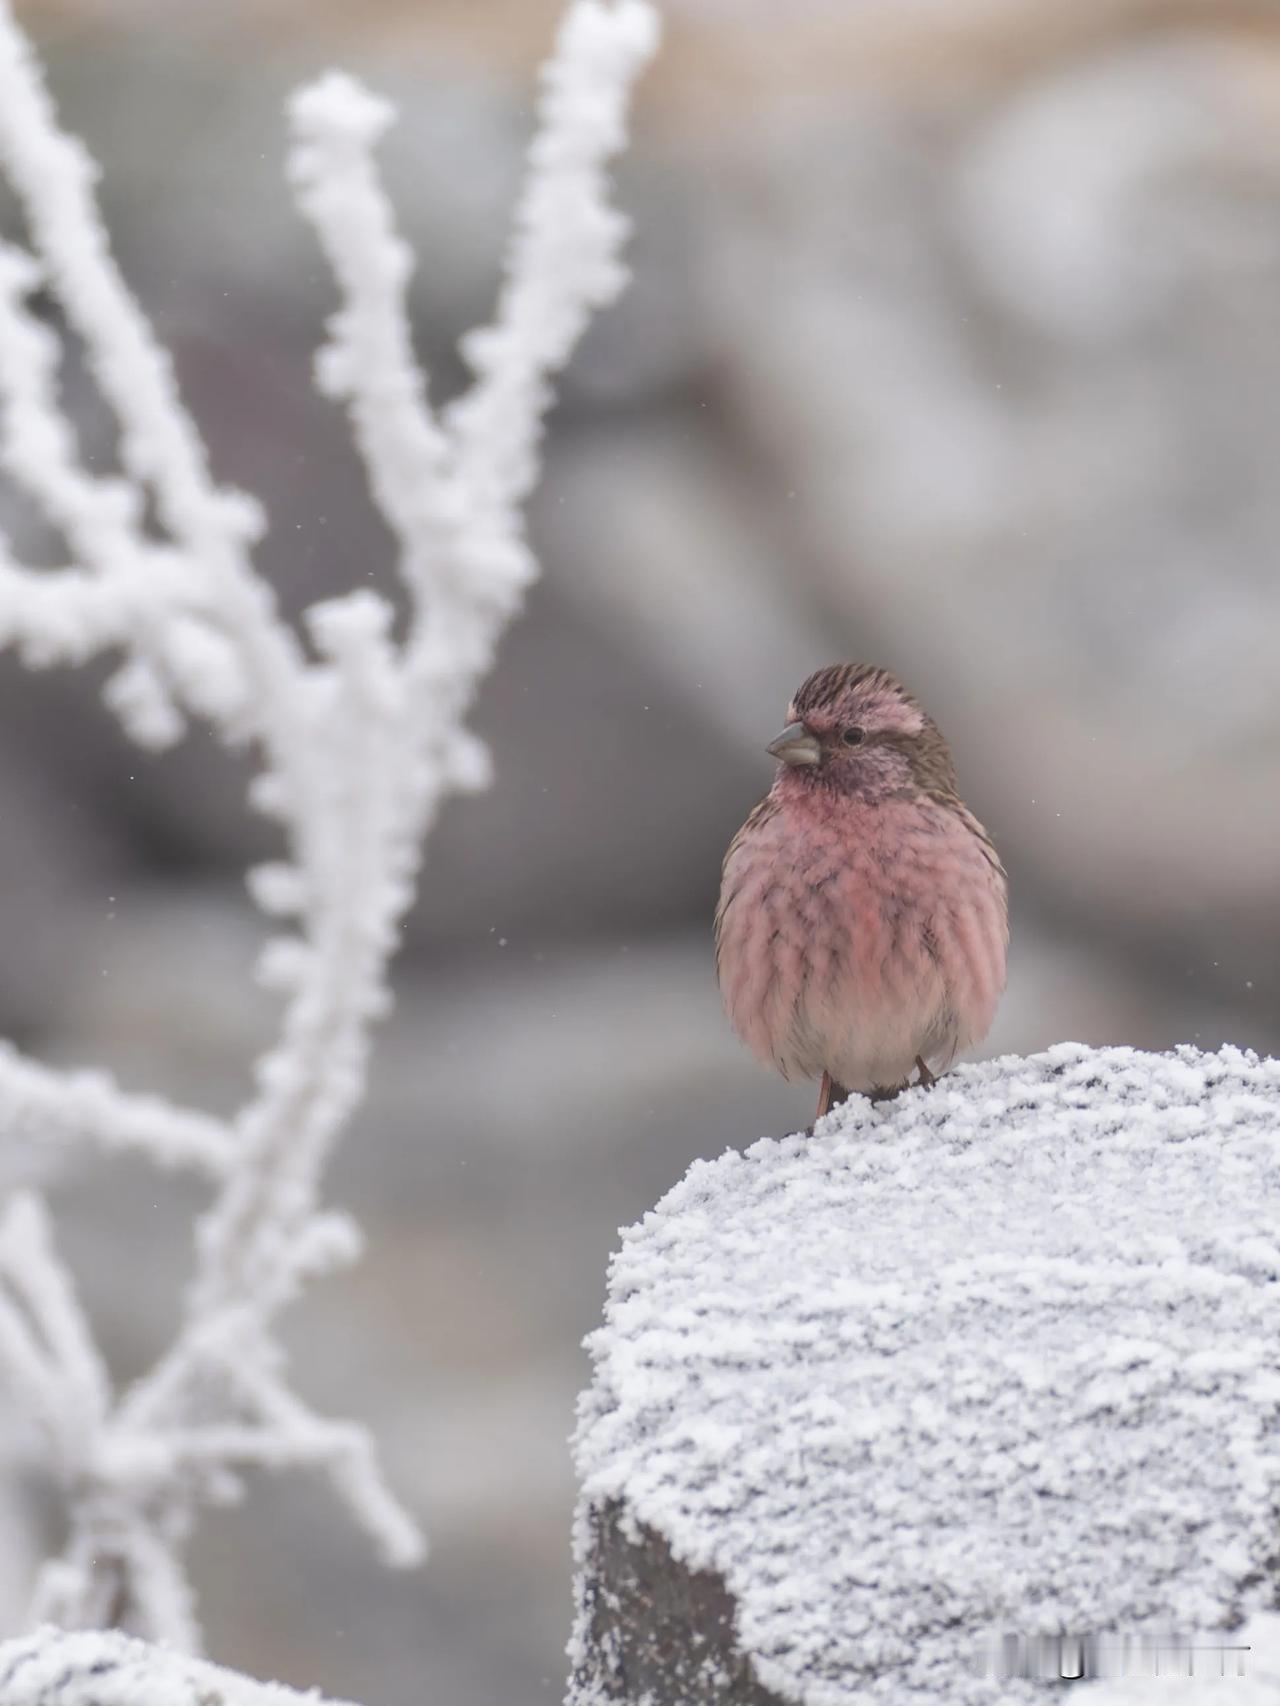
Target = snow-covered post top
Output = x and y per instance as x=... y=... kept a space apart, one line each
x=358 y=738
x=997 y=1358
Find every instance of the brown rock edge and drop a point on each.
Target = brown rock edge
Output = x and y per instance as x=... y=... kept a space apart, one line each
x=652 y=1630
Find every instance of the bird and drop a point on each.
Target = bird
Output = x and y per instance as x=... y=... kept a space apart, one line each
x=862 y=926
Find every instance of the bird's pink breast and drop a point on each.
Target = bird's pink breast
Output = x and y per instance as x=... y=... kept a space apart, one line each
x=854 y=937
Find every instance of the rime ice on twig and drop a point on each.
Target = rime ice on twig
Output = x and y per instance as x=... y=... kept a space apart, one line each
x=40 y=1105
x=45 y=1340
x=360 y=738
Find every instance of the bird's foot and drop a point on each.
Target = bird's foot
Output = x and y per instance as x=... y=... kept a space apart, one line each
x=832 y=1094
x=829 y=1096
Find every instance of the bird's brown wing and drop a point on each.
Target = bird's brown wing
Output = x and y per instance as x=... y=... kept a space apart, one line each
x=955 y=804
x=758 y=816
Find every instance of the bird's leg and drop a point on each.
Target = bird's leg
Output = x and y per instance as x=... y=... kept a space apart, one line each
x=830 y=1096
x=927 y=1078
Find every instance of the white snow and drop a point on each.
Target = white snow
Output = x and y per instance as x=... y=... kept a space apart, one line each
x=1002 y=1356
x=88 y=1668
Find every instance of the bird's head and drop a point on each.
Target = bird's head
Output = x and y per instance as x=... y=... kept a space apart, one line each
x=854 y=729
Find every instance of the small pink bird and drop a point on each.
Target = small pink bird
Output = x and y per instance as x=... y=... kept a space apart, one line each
x=863 y=915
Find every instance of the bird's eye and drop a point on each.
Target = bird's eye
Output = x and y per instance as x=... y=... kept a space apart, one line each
x=853 y=737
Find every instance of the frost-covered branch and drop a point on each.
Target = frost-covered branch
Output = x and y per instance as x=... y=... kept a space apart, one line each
x=41 y=1106
x=358 y=737
x=45 y=1339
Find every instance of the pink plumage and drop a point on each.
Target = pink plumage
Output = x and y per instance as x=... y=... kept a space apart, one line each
x=862 y=924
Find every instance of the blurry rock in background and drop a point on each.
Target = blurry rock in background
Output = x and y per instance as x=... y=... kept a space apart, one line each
x=954 y=343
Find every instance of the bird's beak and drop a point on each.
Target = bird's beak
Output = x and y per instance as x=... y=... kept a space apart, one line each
x=796 y=745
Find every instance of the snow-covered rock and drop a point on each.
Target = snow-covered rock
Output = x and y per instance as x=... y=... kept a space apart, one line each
x=998 y=1358
x=92 y=1667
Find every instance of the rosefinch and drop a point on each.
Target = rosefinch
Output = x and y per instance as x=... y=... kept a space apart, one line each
x=863 y=916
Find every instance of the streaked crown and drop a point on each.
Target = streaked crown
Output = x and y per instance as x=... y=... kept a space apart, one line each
x=861 y=714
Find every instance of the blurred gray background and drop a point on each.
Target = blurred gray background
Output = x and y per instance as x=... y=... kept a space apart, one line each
x=954 y=344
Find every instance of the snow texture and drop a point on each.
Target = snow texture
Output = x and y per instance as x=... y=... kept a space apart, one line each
x=358 y=737
x=998 y=1357
x=88 y=1668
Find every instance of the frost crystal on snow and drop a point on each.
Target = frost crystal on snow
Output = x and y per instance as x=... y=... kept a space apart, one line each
x=359 y=737
x=998 y=1357
x=90 y=1668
